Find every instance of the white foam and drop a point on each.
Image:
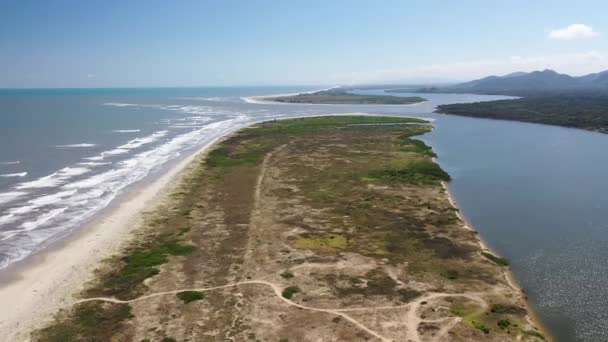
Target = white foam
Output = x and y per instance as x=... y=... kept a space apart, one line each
x=118 y=104
x=54 y=179
x=93 y=163
x=7 y=218
x=19 y=174
x=138 y=142
x=76 y=145
x=50 y=199
x=94 y=158
x=76 y=200
x=42 y=219
x=23 y=210
x=126 y=130
x=10 y=162
x=6 y=197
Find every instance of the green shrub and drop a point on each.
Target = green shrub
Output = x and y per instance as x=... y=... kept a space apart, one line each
x=503 y=323
x=190 y=296
x=290 y=291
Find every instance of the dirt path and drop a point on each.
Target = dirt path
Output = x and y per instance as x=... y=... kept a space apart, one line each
x=412 y=315
x=412 y=318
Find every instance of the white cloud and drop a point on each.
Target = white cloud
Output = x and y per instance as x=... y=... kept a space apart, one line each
x=574 y=64
x=574 y=31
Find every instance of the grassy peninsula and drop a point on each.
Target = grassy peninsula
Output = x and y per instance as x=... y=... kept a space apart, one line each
x=341 y=96
x=573 y=109
x=334 y=228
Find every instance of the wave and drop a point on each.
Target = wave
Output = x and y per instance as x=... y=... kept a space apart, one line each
x=10 y=163
x=54 y=179
x=130 y=145
x=138 y=142
x=50 y=199
x=76 y=145
x=53 y=215
x=118 y=104
x=42 y=219
x=93 y=163
x=7 y=218
x=6 y=197
x=126 y=130
x=19 y=174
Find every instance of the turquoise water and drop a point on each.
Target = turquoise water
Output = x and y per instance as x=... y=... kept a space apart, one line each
x=535 y=193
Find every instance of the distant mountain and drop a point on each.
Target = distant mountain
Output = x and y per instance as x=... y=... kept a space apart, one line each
x=525 y=83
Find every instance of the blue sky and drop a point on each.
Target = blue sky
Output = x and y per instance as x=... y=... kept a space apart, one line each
x=76 y=43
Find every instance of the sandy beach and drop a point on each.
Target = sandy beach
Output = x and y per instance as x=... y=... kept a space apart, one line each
x=32 y=291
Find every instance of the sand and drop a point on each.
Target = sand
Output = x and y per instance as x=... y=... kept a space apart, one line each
x=32 y=291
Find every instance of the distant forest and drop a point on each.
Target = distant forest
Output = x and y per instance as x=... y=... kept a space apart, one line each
x=586 y=110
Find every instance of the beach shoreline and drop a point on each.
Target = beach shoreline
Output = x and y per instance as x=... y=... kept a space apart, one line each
x=36 y=288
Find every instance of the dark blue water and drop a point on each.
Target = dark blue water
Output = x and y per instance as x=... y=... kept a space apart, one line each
x=535 y=193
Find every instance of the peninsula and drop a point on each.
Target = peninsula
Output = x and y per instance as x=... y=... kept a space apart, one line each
x=333 y=228
x=341 y=96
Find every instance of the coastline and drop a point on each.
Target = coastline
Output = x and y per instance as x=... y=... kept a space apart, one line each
x=60 y=271
x=533 y=316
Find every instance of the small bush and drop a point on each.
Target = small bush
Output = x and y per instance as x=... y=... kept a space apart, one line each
x=168 y=339
x=287 y=275
x=481 y=327
x=503 y=323
x=451 y=274
x=497 y=260
x=190 y=296
x=290 y=291
x=507 y=309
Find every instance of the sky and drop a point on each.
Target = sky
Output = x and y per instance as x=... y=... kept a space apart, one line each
x=137 y=43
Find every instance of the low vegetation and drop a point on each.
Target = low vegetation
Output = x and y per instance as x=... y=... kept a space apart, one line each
x=94 y=322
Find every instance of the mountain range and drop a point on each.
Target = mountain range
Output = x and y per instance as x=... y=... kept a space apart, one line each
x=526 y=83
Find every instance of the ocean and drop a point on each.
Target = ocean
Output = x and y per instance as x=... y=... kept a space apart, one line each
x=535 y=193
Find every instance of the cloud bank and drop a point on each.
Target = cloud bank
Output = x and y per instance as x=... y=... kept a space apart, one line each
x=574 y=31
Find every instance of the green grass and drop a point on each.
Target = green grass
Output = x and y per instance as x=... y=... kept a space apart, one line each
x=289 y=292
x=190 y=296
x=168 y=339
x=497 y=260
x=140 y=265
x=90 y=321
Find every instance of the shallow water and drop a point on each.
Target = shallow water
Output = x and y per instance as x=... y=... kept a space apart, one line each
x=535 y=193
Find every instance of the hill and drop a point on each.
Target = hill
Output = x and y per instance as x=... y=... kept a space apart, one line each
x=527 y=83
